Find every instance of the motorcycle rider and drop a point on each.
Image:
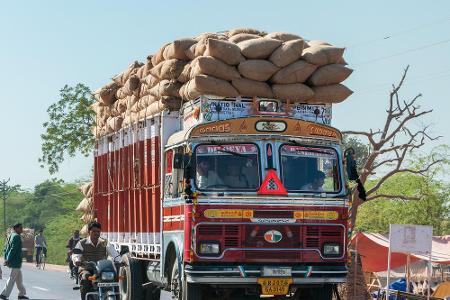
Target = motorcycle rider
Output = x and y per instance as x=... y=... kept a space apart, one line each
x=71 y=243
x=93 y=248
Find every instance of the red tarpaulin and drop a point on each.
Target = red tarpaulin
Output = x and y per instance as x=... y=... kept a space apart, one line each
x=373 y=249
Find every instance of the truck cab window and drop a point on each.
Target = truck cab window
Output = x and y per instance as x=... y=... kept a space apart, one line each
x=232 y=167
x=309 y=169
x=174 y=174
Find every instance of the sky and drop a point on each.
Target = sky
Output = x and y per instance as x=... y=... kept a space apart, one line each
x=45 y=45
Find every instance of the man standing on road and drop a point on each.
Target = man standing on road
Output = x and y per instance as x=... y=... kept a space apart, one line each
x=13 y=260
x=92 y=249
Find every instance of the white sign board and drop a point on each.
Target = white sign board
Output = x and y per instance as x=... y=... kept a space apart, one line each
x=415 y=239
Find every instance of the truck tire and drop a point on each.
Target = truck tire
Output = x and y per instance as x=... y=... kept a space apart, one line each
x=130 y=286
x=322 y=293
x=180 y=289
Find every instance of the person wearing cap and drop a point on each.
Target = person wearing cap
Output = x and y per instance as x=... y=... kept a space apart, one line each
x=13 y=260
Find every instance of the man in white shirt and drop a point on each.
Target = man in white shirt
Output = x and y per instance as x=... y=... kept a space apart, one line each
x=205 y=176
x=316 y=184
x=93 y=248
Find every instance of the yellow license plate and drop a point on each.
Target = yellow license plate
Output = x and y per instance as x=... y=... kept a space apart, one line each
x=274 y=286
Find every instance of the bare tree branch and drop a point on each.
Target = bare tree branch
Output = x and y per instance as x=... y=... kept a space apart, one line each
x=401 y=197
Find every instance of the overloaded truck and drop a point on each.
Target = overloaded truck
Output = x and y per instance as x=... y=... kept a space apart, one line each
x=224 y=196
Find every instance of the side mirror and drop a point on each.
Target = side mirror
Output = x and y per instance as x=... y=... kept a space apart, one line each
x=351 y=168
x=178 y=161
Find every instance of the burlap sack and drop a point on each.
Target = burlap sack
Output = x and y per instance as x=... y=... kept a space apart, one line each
x=283 y=36
x=185 y=75
x=84 y=231
x=287 y=53
x=199 y=48
x=236 y=31
x=131 y=100
x=209 y=65
x=154 y=108
x=85 y=188
x=334 y=93
x=85 y=205
x=132 y=69
x=323 y=55
x=120 y=106
x=107 y=94
x=259 y=48
x=297 y=72
x=329 y=74
x=211 y=35
x=159 y=56
x=87 y=217
x=317 y=43
x=115 y=123
x=172 y=103
x=225 y=51
x=240 y=37
x=190 y=52
x=176 y=49
x=252 y=88
x=292 y=92
x=143 y=71
x=168 y=69
x=207 y=85
x=143 y=90
x=150 y=80
x=147 y=100
x=257 y=69
x=166 y=88
x=130 y=87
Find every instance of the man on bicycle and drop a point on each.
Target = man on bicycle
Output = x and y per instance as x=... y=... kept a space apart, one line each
x=40 y=244
x=70 y=246
x=92 y=249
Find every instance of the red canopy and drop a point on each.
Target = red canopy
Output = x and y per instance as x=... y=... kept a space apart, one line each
x=373 y=249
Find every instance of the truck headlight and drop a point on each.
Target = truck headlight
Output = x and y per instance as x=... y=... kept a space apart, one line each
x=108 y=276
x=331 y=249
x=209 y=248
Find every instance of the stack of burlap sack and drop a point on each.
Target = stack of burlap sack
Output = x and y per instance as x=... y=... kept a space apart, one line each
x=86 y=206
x=240 y=62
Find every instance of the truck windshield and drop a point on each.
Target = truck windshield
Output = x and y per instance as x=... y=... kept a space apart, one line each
x=231 y=167
x=309 y=169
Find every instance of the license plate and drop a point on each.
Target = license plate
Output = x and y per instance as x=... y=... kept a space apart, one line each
x=107 y=284
x=275 y=286
x=277 y=272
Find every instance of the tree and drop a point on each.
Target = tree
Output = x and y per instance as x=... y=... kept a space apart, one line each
x=361 y=149
x=68 y=130
x=390 y=149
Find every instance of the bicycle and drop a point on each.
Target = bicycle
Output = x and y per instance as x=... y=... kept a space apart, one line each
x=41 y=263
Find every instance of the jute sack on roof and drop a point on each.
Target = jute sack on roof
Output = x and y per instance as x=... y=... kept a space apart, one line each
x=129 y=88
x=90 y=190
x=259 y=48
x=334 y=93
x=257 y=69
x=168 y=69
x=166 y=88
x=150 y=80
x=235 y=31
x=329 y=74
x=209 y=65
x=159 y=55
x=85 y=205
x=87 y=217
x=225 y=51
x=287 y=53
x=323 y=55
x=297 y=72
x=252 y=88
x=199 y=48
x=171 y=103
x=293 y=92
x=131 y=100
x=185 y=75
x=115 y=123
x=176 y=49
x=143 y=90
x=120 y=106
x=84 y=230
x=147 y=100
x=143 y=71
x=85 y=188
x=152 y=109
x=283 y=36
x=317 y=43
x=132 y=69
x=107 y=94
x=240 y=37
x=207 y=85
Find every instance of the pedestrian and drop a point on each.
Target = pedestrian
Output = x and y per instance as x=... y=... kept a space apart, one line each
x=13 y=260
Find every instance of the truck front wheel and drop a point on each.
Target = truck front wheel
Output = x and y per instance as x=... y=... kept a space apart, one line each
x=132 y=277
x=323 y=293
x=182 y=290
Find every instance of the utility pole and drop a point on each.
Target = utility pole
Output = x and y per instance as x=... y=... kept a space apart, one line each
x=4 y=188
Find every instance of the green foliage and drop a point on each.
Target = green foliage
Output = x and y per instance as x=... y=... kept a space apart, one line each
x=432 y=208
x=51 y=205
x=68 y=130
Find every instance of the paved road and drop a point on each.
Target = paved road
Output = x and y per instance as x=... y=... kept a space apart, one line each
x=50 y=284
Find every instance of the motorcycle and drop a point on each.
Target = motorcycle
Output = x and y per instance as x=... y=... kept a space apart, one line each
x=104 y=280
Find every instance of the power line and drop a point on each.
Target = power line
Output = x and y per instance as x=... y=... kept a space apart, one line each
x=404 y=52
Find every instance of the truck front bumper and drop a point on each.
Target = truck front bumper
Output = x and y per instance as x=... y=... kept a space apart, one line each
x=249 y=274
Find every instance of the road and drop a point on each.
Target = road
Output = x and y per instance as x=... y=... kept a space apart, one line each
x=51 y=284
